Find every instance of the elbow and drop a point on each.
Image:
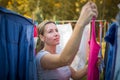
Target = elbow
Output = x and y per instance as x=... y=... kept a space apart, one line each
x=65 y=61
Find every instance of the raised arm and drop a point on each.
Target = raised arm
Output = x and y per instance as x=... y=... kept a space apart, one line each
x=50 y=61
x=88 y=11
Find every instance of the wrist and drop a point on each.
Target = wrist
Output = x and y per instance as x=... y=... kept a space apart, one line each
x=80 y=23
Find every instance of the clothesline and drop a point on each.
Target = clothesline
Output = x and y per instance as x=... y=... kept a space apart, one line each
x=62 y=21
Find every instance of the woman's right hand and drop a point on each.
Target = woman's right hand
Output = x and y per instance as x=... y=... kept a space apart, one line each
x=88 y=11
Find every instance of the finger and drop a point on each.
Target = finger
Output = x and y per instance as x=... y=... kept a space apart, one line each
x=93 y=6
x=95 y=12
x=89 y=3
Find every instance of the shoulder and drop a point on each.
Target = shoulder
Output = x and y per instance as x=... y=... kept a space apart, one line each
x=40 y=54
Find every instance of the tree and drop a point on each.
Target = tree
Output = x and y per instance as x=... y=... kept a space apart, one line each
x=37 y=16
x=23 y=7
x=112 y=9
x=3 y=3
x=108 y=9
x=59 y=9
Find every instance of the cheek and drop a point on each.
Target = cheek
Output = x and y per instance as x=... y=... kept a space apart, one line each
x=58 y=34
x=59 y=37
x=48 y=38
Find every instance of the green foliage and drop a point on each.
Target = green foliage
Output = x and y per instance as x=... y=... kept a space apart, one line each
x=111 y=9
x=59 y=9
x=27 y=8
x=37 y=15
x=3 y=3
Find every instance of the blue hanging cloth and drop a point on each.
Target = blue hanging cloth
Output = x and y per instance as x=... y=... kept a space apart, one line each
x=117 y=64
x=111 y=39
x=17 y=58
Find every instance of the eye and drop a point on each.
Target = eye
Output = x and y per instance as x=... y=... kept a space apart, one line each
x=56 y=30
x=50 y=31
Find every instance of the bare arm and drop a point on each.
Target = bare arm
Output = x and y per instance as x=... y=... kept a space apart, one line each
x=72 y=46
x=77 y=75
x=51 y=61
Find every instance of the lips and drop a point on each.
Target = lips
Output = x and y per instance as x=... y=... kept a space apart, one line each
x=56 y=39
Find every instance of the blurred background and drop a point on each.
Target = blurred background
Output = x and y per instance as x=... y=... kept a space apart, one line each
x=64 y=10
x=59 y=9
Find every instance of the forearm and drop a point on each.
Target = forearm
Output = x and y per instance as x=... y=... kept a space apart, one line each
x=77 y=75
x=70 y=50
x=81 y=73
x=72 y=46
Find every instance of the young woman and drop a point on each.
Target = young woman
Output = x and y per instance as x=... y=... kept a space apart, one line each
x=53 y=66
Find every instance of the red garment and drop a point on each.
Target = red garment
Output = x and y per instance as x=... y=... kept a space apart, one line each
x=35 y=31
x=35 y=37
x=93 y=71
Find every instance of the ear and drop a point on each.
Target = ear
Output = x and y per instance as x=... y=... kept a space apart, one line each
x=41 y=37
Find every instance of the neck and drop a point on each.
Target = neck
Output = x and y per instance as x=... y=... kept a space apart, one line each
x=51 y=49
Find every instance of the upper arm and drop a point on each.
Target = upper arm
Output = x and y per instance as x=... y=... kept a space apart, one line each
x=50 y=61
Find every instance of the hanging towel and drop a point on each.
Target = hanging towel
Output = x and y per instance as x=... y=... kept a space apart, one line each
x=93 y=71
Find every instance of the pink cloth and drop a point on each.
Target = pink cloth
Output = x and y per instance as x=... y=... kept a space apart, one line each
x=93 y=71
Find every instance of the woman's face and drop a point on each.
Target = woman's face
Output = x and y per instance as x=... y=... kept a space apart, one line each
x=51 y=35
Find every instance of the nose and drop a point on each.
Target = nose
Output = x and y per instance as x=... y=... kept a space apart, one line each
x=56 y=33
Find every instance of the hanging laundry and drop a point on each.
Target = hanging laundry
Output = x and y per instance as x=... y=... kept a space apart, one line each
x=81 y=58
x=111 y=39
x=65 y=31
x=17 y=59
x=35 y=37
x=117 y=63
x=100 y=51
x=106 y=51
x=35 y=31
x=93 y=71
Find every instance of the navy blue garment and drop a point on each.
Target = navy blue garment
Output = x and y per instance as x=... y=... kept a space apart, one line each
x=17 y=58
x=111 y=39
x=117 y=64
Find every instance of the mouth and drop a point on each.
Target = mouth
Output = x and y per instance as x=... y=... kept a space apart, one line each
x=56 y=39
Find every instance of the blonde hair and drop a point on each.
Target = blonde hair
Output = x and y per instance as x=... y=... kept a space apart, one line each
x=41 y=28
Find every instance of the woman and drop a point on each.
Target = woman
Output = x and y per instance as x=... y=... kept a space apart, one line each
x=53 y=66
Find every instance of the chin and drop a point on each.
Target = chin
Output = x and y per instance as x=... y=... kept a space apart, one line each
x=57 y=43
